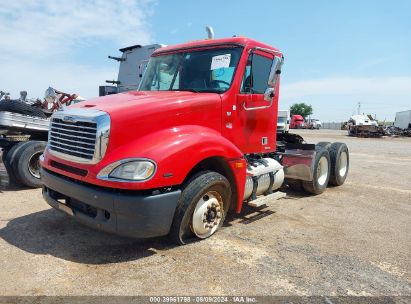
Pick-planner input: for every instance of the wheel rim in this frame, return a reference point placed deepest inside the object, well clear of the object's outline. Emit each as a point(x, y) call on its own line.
point(322, 171)
point(343, 164)
point(34, 164)
point(208, 214)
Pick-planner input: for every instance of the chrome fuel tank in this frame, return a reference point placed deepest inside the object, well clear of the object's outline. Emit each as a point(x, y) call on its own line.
point(263, 176)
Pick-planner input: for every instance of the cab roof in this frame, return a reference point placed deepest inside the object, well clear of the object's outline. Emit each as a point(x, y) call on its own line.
point(240, 41)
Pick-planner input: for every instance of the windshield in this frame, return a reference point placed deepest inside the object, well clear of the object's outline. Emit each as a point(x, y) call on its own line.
point(282, 119)
point(210, 70)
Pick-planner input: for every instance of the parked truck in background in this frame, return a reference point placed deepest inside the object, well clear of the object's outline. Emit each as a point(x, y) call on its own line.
point(283, 121)
point(133, 62)
point(363, 126)
point(313, 123)
point(297, 122)
point(403, 120)
point(24, 125)
point(194, 142)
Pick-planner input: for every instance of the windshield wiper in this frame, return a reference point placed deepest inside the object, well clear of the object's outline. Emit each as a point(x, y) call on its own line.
point(189, 90)
point(212, 91)
point(199, 91)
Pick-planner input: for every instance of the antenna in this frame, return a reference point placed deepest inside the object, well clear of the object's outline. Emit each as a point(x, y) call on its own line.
point(359, 108)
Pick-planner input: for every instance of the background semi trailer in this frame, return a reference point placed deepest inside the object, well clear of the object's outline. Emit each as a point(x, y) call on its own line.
point(195, 142)
point(403, 120)
point(24, 126)
point(133, 62)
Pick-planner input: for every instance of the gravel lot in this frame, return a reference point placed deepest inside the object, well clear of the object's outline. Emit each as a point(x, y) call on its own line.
point(351, 240)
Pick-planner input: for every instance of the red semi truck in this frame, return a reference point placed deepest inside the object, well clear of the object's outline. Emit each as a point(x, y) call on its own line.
point(196, 141)
point(297, 122)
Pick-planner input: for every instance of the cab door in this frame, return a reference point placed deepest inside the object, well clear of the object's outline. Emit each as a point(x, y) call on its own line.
point(256, 125)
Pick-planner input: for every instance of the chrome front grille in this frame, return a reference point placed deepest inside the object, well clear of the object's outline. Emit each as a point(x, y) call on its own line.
point(73, 138)
point(79, 135)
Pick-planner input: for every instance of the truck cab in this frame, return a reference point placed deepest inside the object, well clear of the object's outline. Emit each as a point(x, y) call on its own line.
point(195, 142)
point(297, 122)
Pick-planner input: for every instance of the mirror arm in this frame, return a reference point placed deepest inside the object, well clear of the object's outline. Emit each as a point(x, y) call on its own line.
point(257, 108)
point(268, 96)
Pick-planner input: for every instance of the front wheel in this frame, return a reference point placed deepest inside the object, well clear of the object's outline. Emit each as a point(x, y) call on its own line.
point(202, 207)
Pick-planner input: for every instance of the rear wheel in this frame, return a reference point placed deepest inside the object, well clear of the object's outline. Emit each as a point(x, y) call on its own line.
point(202, 208)
point(323, 144)
point(20, 107)
point(321, 174)
point(340, 162)
point(9, 160)
point(26, 164)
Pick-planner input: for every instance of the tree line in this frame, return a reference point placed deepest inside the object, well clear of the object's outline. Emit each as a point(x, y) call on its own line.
point(301, 109)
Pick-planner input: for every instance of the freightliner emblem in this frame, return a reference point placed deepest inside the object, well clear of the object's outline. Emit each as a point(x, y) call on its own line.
point(68, 119)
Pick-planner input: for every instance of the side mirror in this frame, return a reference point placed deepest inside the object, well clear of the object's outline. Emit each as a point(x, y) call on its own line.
point(273, 78)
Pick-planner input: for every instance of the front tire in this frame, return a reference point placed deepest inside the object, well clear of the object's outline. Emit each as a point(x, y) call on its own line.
point(202, 208)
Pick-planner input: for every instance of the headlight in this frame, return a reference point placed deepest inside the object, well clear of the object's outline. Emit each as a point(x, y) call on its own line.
point(129, 170)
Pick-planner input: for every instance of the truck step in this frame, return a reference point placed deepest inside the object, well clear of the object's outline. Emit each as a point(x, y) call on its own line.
point(267, 199)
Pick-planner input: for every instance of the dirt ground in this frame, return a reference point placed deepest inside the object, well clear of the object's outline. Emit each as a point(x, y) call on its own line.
point(351, 240)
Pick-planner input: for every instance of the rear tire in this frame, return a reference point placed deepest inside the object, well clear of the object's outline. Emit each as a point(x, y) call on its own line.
point(323, 144)
point(10, 159)
point(21, 108)
point(202, 208)
point(321, 174)
point(340, 163)
point(26, 164)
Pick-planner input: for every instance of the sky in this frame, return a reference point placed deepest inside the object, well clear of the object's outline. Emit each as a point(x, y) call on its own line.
point(337, 53)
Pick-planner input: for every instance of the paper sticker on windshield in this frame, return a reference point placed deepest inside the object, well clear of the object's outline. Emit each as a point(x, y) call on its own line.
point(220, 61)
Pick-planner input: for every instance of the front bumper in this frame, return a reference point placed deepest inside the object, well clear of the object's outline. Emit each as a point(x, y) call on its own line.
point(122, 213)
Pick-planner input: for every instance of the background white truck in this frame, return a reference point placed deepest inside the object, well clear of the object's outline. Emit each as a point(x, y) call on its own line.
point(283, 121)
point(313, 123)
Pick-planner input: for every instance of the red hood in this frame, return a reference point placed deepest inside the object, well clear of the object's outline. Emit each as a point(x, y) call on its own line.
point(137, 113)
point(143, 101)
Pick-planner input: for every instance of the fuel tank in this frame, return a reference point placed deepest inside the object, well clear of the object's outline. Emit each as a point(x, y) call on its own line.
point(264, 176)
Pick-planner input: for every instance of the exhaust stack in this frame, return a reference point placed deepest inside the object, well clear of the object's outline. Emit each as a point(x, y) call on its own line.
point(210, 32)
